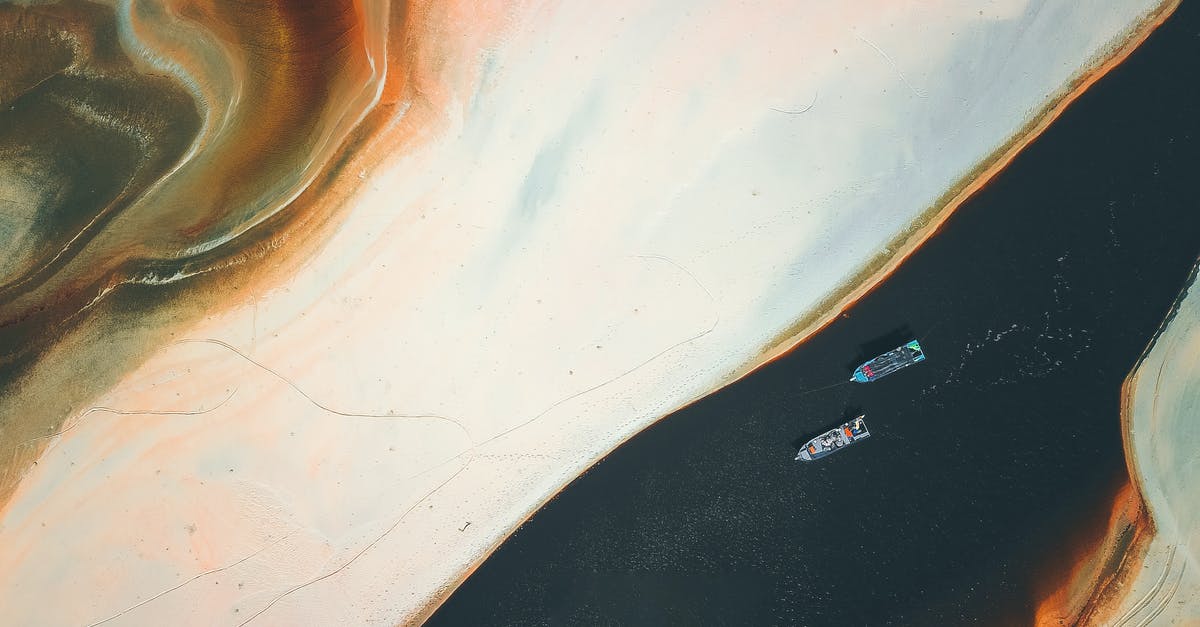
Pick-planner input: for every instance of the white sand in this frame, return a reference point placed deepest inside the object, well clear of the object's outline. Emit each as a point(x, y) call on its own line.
point(1164, 436)
point(618, 220)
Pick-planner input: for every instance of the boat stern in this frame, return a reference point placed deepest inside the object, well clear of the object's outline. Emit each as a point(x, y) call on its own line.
point(918, 353)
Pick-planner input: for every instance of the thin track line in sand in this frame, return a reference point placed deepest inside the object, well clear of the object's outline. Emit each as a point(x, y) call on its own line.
point(472, 450)
point(194, 578)
point(710, 329)
point(357, 555)
point(318, 404)
point(798, 111)
point(131, 412)
point(1132, 612)
point(323, 406)
point(1166, 598)
point(891, 62)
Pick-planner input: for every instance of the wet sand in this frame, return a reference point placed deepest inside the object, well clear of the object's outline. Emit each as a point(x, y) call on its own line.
point(347, 441)
point(1157, 580)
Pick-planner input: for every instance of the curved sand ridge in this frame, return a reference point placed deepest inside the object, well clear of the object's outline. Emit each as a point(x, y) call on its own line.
point(626, 203)
point(278, 86)
point(1146, 571)
point(1162, 440)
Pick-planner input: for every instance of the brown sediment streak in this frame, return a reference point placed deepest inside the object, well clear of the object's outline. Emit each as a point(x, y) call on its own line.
point(81, 134)
point(298, 76)
point(280, 87)
point(1128, 513)
point(298, 61)
point(304, 73)
point(297, 92)
point(426, 73)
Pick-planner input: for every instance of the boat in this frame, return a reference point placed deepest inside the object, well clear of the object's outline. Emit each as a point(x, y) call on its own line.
point(889, 362)
point(834, 440)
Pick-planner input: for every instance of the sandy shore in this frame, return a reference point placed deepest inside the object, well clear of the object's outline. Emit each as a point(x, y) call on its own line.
point(633, 202)
point(1161, 584)
point(1143, 569)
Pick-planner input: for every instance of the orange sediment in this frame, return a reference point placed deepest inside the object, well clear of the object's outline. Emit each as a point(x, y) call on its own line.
point(1091, 589)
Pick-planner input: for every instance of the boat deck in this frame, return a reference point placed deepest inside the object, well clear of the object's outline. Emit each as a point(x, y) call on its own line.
point(834, 440)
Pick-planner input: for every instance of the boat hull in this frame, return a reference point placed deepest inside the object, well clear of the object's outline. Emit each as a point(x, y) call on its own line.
point(896, 359)
point(834, 440)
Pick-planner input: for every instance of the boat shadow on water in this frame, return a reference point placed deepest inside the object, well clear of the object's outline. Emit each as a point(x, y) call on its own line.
point(898, 336)
point(848, 414)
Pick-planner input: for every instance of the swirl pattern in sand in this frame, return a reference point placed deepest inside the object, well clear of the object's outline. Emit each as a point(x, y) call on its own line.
point(156, 134)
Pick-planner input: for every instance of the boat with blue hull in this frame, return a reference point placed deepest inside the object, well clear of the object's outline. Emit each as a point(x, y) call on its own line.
point(834, 440)
point(889, 362)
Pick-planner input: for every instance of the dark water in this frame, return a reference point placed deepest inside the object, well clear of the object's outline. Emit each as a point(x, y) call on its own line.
point(986, 461)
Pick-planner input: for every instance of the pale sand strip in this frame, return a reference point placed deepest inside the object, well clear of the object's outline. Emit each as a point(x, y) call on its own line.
point(618, 221)
point(1162, 444)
